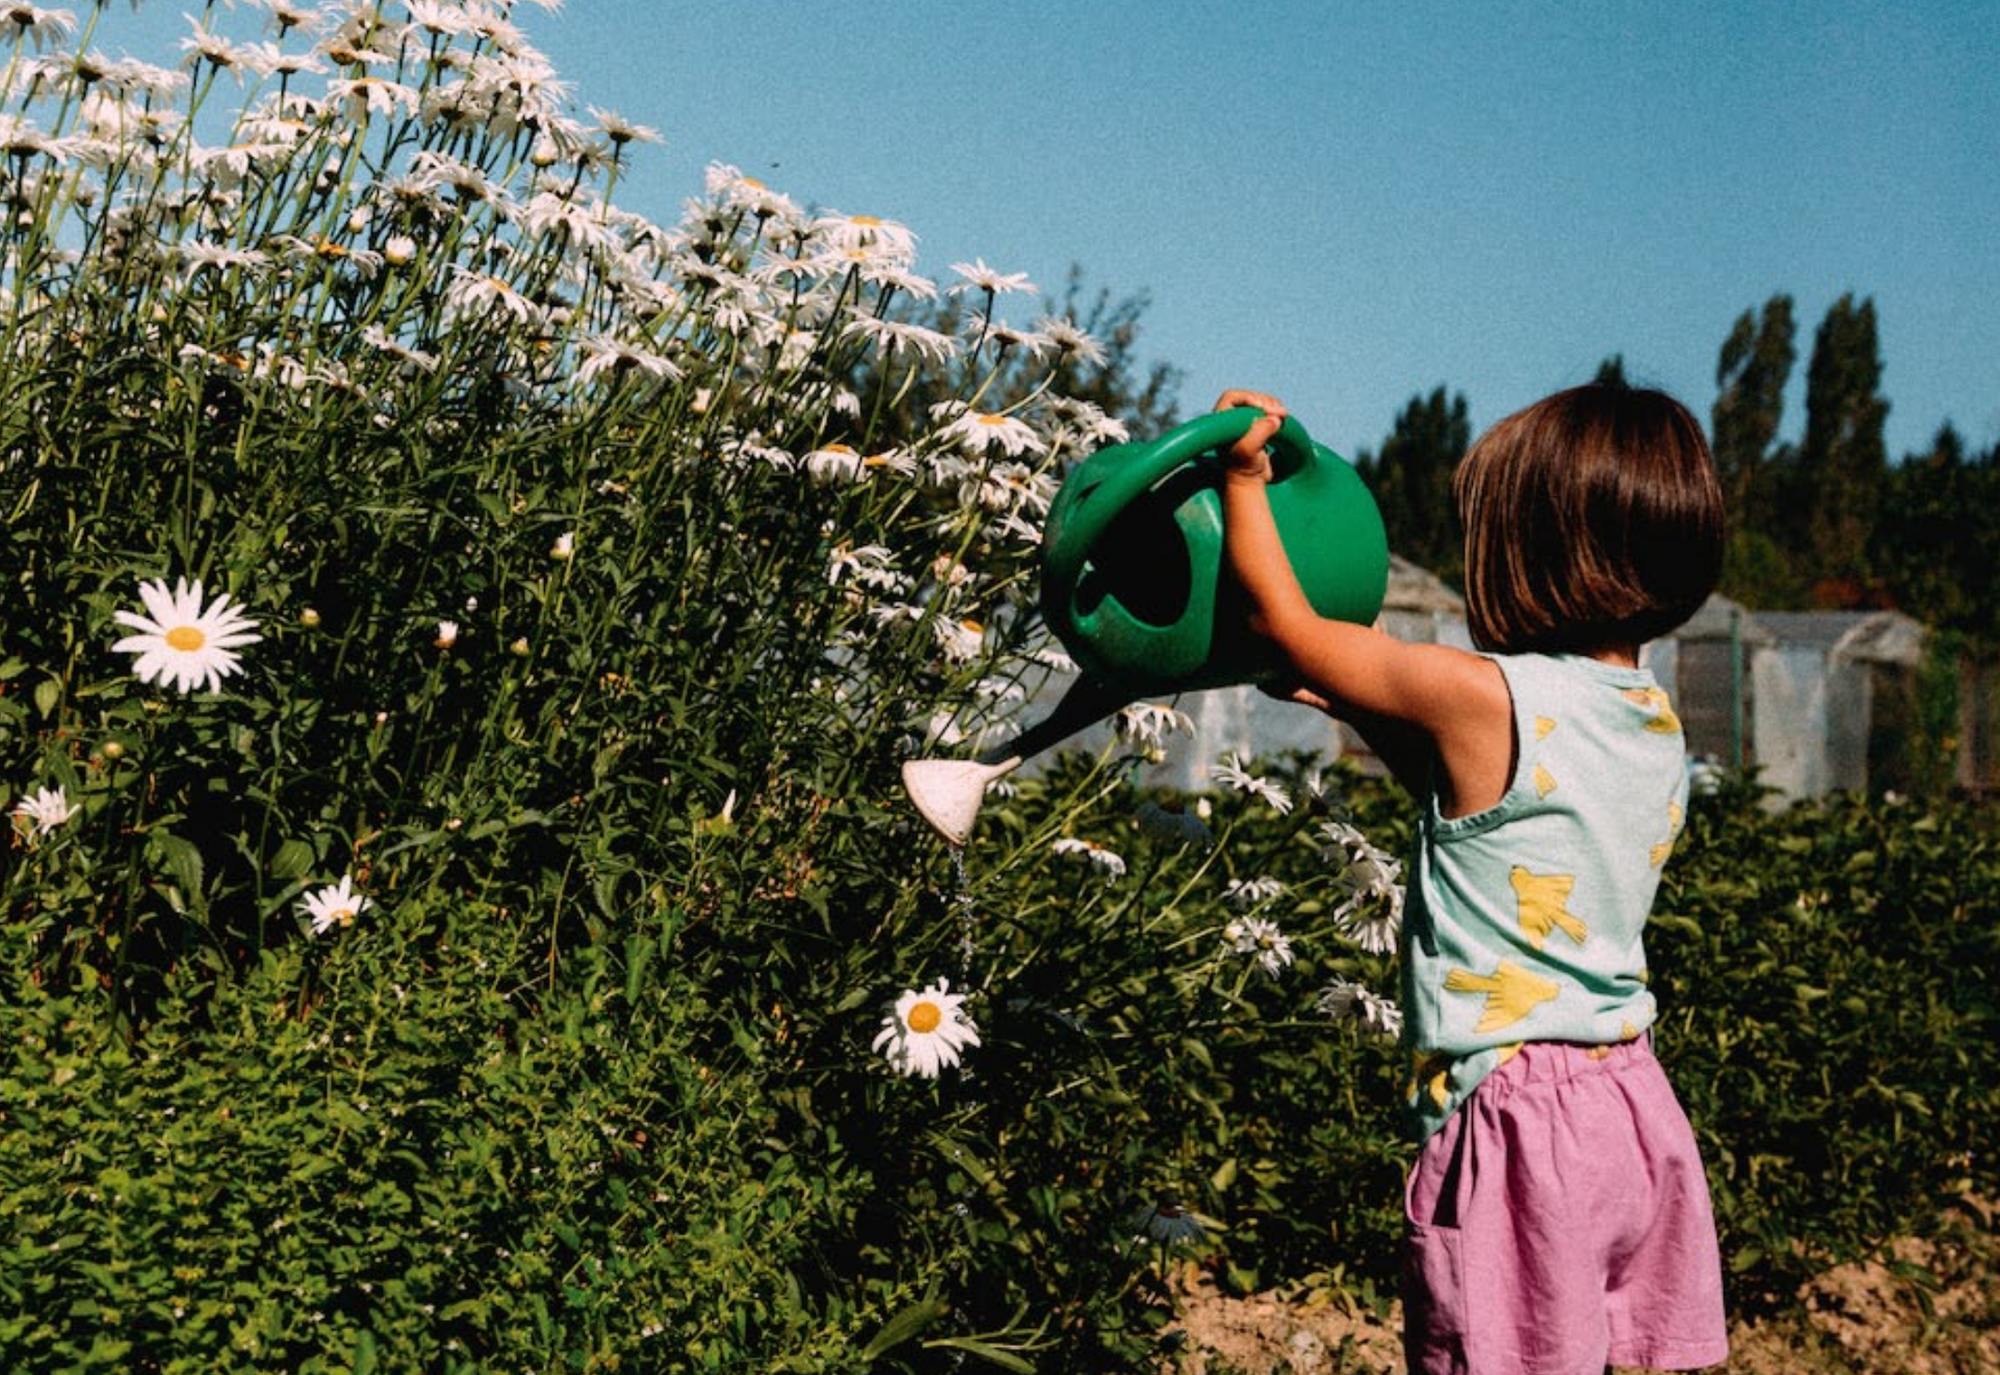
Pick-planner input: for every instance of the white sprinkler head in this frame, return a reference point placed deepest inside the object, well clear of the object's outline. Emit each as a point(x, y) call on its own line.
point(947, 792)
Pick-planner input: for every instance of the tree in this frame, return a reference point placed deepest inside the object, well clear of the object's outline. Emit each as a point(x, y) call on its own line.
point(1842, 462)
point(1750, 377)
point(1934, 538)
point(1411, 480)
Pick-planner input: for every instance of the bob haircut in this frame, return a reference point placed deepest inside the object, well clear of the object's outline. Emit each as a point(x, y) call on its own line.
point(1592, 519)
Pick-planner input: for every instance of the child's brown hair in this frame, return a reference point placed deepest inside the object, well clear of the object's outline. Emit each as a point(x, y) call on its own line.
point(1592, 518)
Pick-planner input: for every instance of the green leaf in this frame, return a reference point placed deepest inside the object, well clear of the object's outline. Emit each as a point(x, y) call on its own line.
point(292, 860)
point(985, 1351)
point(906, 1324)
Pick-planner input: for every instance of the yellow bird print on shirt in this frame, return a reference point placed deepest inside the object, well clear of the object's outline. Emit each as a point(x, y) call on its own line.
point(1544, 905)
point(1663, 721)
point(1430, 1077)
point(1660, 851)
point(1511, 993)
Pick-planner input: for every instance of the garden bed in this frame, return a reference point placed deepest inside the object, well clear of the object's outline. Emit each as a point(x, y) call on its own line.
point(1929, 1306)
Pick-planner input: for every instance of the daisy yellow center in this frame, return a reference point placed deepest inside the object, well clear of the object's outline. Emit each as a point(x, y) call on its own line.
point(343, 915)
point(866, 221)
point(925, 1018)
point(186, 638)
point(992, 419)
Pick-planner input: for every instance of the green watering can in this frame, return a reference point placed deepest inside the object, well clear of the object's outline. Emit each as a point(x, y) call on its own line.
point(1136, 586)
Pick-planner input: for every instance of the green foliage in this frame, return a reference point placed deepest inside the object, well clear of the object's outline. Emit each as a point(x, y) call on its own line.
point(383, 1153)
point(1827, 975)
point(1411, 480)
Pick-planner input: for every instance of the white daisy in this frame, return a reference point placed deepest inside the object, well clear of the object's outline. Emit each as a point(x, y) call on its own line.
point(982, 430)
point(183, 641)
point(621, 130)
point(43, 810)
point(447, 634)
point(1071, 340)
point(1344, 998)
point(1372, 915)
point(1108, 862)
point(1232, 774)
point(891, 337)
point(979, 277)
point(924, 1031)
point(864, 236)
point(836, 462)
point(1259, 939)
point(336, 904)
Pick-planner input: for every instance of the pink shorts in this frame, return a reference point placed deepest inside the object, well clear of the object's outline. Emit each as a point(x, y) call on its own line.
point(1559, 1222)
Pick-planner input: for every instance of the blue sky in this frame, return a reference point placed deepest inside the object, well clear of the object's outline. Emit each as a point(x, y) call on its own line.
point(1350, 203)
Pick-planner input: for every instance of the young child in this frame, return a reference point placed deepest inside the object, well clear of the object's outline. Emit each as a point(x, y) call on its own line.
point(1558, 1219)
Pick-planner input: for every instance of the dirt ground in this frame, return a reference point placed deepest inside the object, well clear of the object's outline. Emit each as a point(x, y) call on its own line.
point(1931, 1306)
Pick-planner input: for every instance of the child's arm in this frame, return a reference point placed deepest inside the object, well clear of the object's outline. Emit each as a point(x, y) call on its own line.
point(1456, 700)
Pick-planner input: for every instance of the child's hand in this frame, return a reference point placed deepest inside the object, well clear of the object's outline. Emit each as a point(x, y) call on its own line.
point(1246, 456)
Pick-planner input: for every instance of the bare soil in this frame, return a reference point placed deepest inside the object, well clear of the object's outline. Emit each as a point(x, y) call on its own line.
point(1929, 1306)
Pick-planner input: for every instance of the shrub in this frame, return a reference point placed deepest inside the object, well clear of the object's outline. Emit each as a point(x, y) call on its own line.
point(461, 640)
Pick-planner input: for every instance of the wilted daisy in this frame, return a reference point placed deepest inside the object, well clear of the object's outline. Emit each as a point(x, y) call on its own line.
point(183, 641)
point(924, 1031)
point(336, 904)
point(1168, 1223)
point(1259, 939)
point(1105, 861)
point(43, 810)
point(1231, 773)
point(1148, 724)
point(447, 634)
point(41, 27)
point(961, 641)
point(1344, 998)
point(1248, 892)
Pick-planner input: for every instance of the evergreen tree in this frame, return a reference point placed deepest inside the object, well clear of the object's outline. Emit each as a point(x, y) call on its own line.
point(1843, 460)
point(1411, 480)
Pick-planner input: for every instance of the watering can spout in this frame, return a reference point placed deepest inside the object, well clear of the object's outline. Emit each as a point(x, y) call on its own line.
point(947, 792)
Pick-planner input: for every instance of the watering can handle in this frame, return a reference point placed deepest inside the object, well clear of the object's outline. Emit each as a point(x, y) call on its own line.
point(1125, 483)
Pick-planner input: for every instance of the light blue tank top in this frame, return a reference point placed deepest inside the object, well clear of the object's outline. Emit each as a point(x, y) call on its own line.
point(1525, 922)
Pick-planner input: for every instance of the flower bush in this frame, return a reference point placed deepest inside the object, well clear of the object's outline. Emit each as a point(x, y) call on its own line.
point(460, 642)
